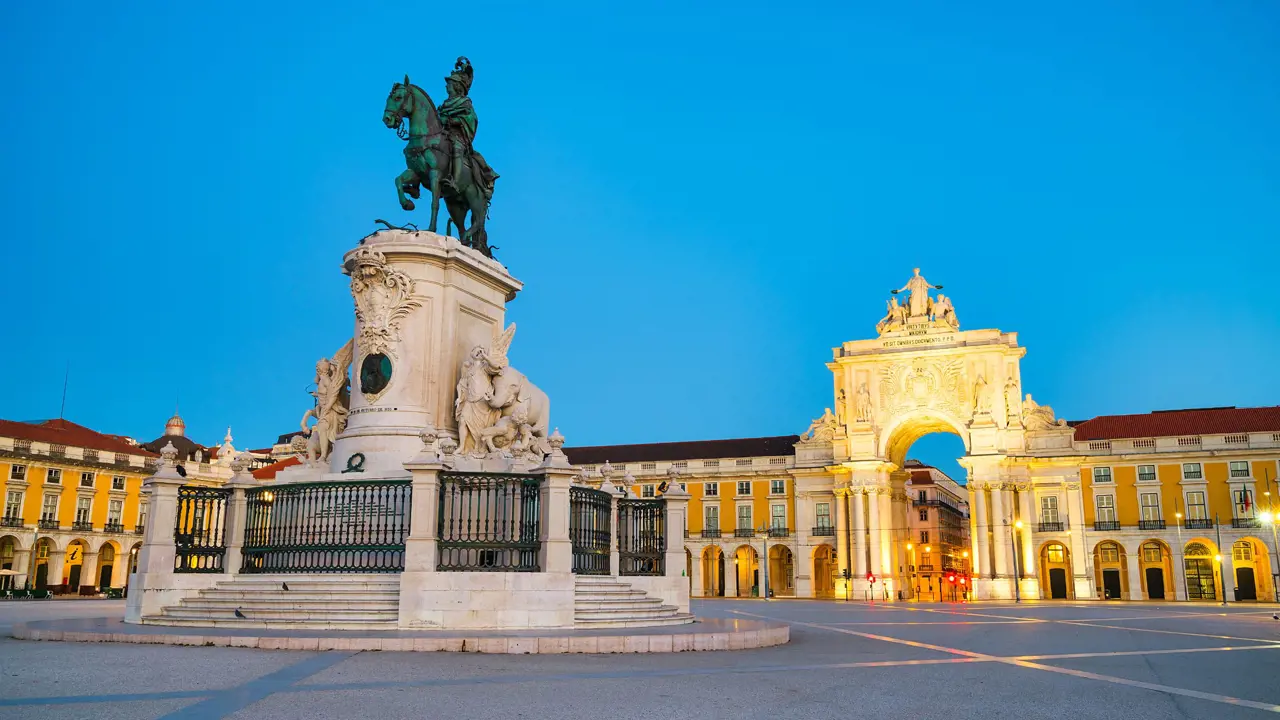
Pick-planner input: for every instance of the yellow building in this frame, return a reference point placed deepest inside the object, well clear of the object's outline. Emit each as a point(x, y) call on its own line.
point(74, 515)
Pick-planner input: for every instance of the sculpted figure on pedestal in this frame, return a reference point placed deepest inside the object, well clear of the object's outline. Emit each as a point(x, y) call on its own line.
point(1039, 417)
point(945, 312)
point(862, 405)
point(918, 287)
point(824, 428)
point(496, 406)
point(1012, 404)
point(333, 398)
point(981, 397)
point(842, 406)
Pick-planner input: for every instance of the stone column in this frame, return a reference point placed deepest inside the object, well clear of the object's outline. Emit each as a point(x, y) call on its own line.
point(1179, 574)
point(873, 522)
point(731, 574)
point(1010, 511)
point(120, 569)
point(1135, 575)
point(1029, 518)
point(859, 525)
point(88, 571)
point(20, 562)
point(677, 521)
point(982, 550)
point(844, 554)
point(888, 551)
point(56, 558)
point(999, 532)
point(1228, 574)
point(557, 546)
point(155, 584)
point(614, 493)
point(1081, 559)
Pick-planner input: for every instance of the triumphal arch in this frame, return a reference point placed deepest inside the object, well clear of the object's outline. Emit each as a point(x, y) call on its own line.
point(923, 374)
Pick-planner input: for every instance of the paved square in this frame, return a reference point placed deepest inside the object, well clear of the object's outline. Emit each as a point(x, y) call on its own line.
point(1035, 660)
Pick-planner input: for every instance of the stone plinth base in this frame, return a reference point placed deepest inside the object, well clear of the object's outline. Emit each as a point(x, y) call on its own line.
point(709, 634)
point(150, 593)
point(673, 591)
point(479, 600)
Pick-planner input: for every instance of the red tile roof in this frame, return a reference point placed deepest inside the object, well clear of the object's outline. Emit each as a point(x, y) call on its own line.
point(1168, 423)
point(692, 450)
point(268, 472)
point(65, 432)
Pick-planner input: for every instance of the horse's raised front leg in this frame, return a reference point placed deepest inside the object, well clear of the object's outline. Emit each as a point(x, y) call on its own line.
point(433, 180)
point(403, 179)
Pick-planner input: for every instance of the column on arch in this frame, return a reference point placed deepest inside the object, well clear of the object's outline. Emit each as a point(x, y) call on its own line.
point(859, 533)
point(1081, 557)
point(1133, 561)
point(1028, 514)
point(1011, 530)
point(842, 531)
point(981, 549)
point(873, 531)
point(999, 532)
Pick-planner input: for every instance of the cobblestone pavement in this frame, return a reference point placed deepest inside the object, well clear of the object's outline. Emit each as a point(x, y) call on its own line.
point(1034, 660)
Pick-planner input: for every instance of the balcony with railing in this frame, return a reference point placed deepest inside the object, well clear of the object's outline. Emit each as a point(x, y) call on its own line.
point(48, 522)
point(11, 521)
point(1245, 522)
point(1106, 525)
point(824, 531)
point(139, 529)
point(744, 533)
point(1197, 524)
point(1051, 526)
point(779, 532)
point(113, 527)
point(82, 525)
point(711, 533)
point(1150, 524)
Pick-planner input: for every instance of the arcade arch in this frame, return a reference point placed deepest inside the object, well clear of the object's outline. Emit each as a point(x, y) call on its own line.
point(1156, 566)
point(824, 571)
point(747, 570)
point(1056, 570)
point(1251, 564)
point(712, 571)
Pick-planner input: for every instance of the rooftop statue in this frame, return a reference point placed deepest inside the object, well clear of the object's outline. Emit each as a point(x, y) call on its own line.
point(439, 153)
point(919, 308)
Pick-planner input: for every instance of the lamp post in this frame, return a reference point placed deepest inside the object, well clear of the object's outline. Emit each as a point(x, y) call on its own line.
point(1269, 517)
point(1222, 578)
point(1017, 567)
point(764, 562)
point(911, 563)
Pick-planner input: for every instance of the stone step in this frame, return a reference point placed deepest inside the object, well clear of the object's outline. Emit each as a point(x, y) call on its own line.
point(335, 596)
point(275, 624)
point(642, 603)
point(598, 580)
point(661, 611)
point(607, 595)
point(678, 619)
point(310, 586)
point(279, 616)
point(295, 602)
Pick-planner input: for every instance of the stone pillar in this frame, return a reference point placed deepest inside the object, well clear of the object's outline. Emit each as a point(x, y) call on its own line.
point(56, 558)
point(155, 584)
point(1010, 511)
point(237, 513)
point(557, 546)
point(614, 493)
point(731, 574)
point(859, 525)
point(1081, 558)
point(120, 569)
point(981, 552)
point(20, 562)
point(88, 571)
point(1029, 517)
point(1228, 574)
point(888, 553)
point(1179, 574)
point(999, 533)
point(695, 578)
point(677, 521)
point(1135, 575)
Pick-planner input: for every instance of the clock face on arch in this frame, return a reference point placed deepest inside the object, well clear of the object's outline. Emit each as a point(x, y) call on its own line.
point(375, 373)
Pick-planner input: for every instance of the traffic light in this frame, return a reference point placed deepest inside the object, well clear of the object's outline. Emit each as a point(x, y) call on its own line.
point(871, 578)
point(846, 573)
point(962, 579)
point(951, 578)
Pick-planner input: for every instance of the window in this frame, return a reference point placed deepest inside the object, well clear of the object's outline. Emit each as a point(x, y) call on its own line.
point(1239, 469)
point(744, 517)
point(13, 504)
point(1244, 503)
point(777, 516)
point(1049, 509)
point(86, 479)
point(84, 506)
point(744, 487)
point(1242, 551)
point(822, 513)
point(710, 463)
point(1152, 552)
point(1191, 471)
point(117, 482)
point(1150, 503)
point(18, 472)
point(1102, 475)
point(924, 536)
point(1056, 553)
point(142, 514)
point(924, 514)
point(53, 476)
point(115, 510)
point(778, 487)
point(1196, 509)
point(1146, 473)
point(1106, 508)
point(712, 515)
point(923, 496)
point(646, 491)
point(743, 462)
point(1109, 553)
point(49, 511)
point(711, 489)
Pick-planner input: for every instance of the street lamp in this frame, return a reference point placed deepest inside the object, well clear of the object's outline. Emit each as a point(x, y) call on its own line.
point(764, 535)
point(911, 563)
point(1017, 568)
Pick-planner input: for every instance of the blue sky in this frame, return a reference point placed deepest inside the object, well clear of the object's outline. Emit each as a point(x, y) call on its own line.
point(702, 202)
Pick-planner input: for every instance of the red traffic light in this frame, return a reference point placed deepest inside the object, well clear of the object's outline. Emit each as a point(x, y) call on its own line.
point(951, 578)
point(871, 578)
point(961, 581)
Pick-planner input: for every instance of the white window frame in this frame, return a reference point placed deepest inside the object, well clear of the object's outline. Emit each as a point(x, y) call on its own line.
point(53, 476)
point(776, 519)
point(89, 475)
point(818, 515)
point(1149, 503)
point(143, 509)
point(1192, 471)
point(117, 482)
point(13, 503)
point(647, 491)
point(1238, 496)
point(738, 517)
point(1203, 505)
point(1109, 507)
point(18, 472)
point(738, 488)
point(44, 506)
point(115, 512)
point(1154, 475)
point(1246, 471)
point(84, 509)
point(777, 487)
point(711, 489)
point(924, 514)
point(711, 517)
point(1049, 509)
point(1103, 476)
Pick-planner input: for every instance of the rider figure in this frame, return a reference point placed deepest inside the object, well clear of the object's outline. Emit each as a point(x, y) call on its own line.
point(459, 118)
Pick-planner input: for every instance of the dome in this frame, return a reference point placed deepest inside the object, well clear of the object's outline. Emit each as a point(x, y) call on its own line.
point(175, 426)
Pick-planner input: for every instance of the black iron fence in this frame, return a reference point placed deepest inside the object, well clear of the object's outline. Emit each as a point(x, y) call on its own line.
point(327, 527)
point(642, 537)
point(490, 522)
point(199, 533)
point(589, 521)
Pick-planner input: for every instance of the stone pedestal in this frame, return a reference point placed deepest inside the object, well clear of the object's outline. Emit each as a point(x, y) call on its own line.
point(423, 301)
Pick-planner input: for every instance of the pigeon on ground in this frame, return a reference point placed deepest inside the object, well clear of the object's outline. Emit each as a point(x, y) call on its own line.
point(239, 614)
point(285, 586)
